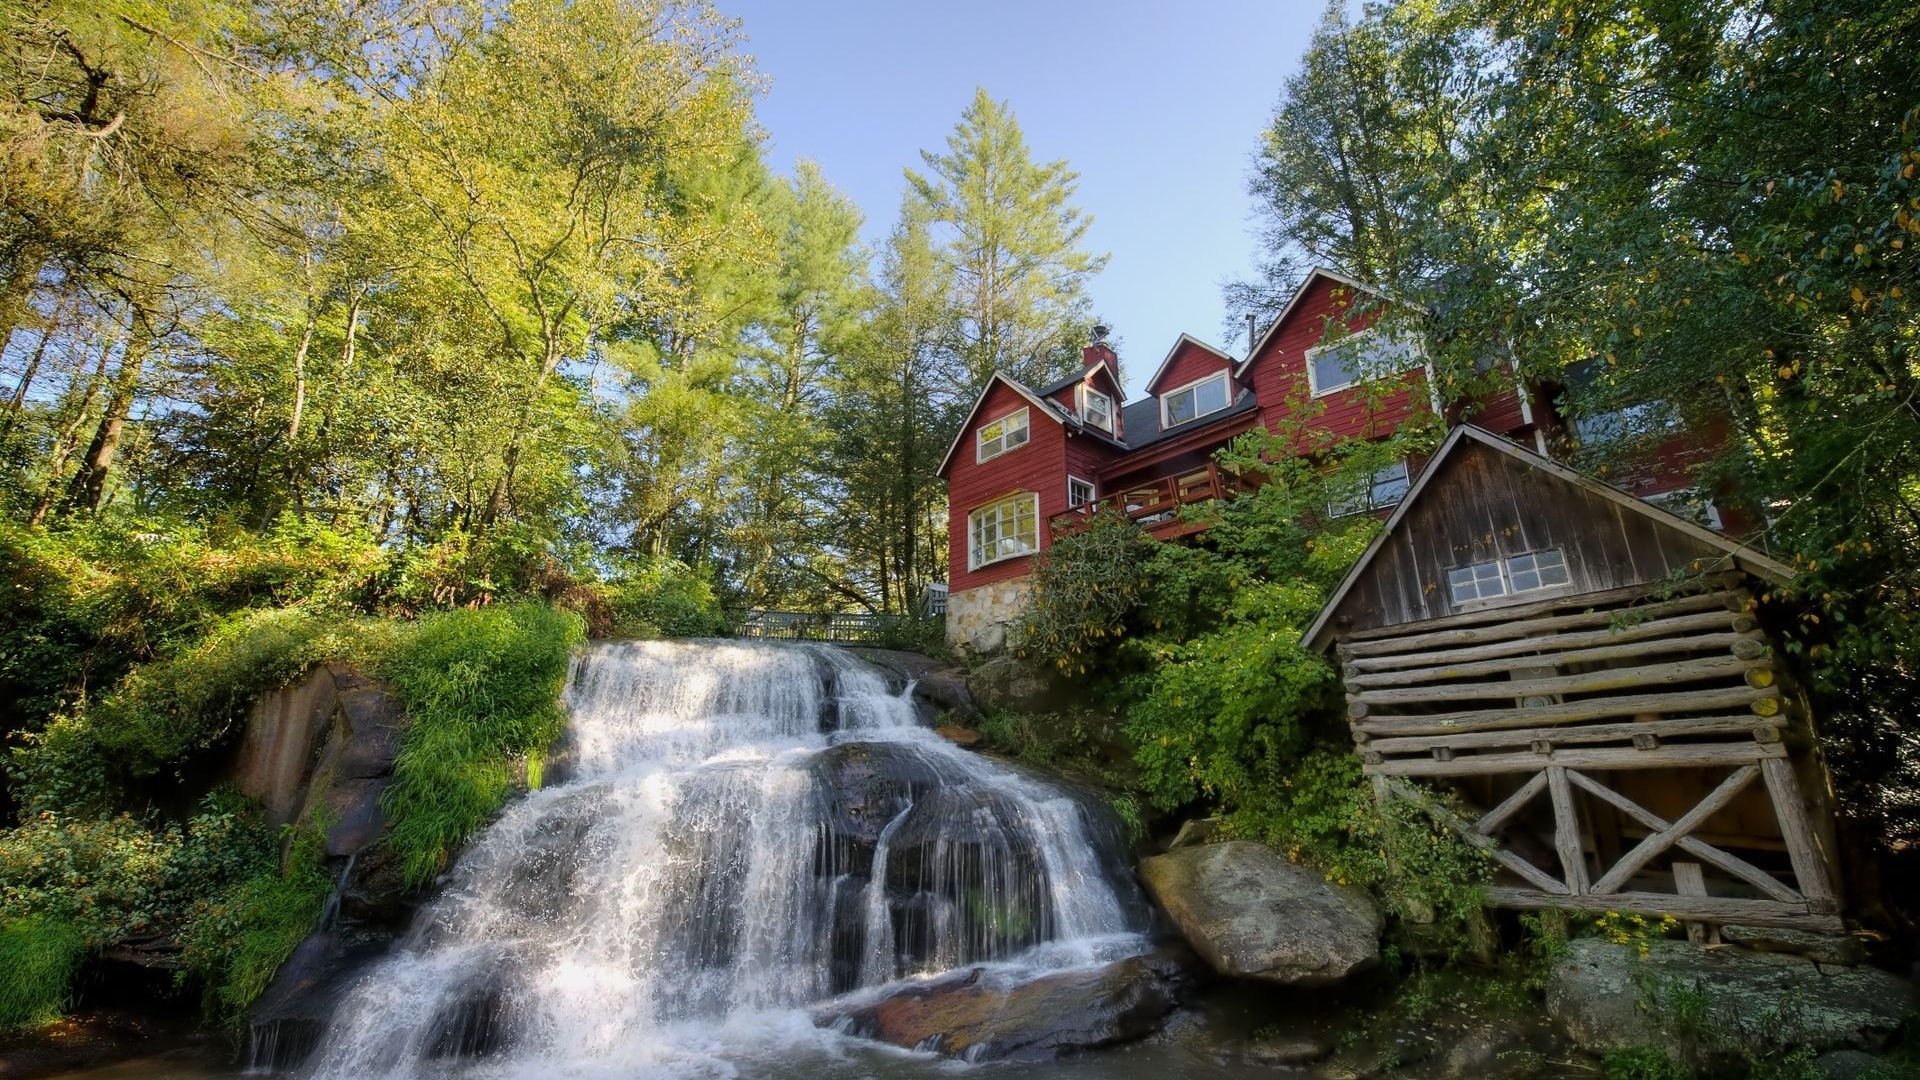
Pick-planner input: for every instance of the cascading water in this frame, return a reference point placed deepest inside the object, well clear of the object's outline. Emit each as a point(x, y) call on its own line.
point(744, 830)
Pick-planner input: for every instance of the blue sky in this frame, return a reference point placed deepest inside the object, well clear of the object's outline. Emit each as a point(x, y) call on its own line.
point(1158, 106)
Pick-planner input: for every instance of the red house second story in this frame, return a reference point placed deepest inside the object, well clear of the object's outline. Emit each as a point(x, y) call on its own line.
point(1031, 465)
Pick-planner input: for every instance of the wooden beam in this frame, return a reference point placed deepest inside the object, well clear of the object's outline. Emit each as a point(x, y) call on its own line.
point(1491, 821)
point(1566, 830)
point(1715, 620)
point(1603, 609)
point(1487, 844)
point(1673, 701)
point(1700, 669)
point(1689, 881)
point(1644, 852)
point(1714, 909)
point(1676, 756)
point(1632, 650)
point(1809, 868)
point(1581, 602)
point(1692, 845)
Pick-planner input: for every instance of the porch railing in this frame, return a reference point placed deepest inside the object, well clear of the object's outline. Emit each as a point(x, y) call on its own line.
point(1155, 505)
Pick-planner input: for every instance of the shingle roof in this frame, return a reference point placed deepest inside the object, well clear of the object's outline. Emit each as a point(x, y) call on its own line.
point(1141, 420)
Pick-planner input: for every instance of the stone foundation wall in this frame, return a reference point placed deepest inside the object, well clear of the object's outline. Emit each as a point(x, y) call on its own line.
point(977, 618)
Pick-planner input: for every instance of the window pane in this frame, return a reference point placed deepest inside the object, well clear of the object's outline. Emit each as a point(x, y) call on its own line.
point(1210, 396)
point(1390, 484)
point(1180, 407)
point(1331, 369)
point(1524, 580)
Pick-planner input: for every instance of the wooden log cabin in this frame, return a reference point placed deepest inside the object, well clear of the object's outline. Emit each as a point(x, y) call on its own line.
point(1586, 687)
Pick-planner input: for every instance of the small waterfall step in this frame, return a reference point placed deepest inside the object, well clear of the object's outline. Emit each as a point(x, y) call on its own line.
point(744, 832)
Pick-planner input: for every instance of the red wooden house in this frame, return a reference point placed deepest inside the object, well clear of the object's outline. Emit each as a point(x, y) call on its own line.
point(1031, 464)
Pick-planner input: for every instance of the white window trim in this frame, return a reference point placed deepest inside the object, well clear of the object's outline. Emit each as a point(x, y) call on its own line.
point(1416, 358)
point(980, 454)
point(1091, 486)
point(1513, 595)
point(1086, 393)
point(1165, 422)
point(973, 561)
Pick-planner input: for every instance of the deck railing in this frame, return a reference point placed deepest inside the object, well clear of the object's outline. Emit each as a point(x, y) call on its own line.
point(1155, 505)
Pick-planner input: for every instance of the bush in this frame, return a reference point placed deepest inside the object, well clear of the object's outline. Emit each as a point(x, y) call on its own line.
point(481, 688)
point(664, 598)
point(38, 958)
point(236, 942)
point(165, 713)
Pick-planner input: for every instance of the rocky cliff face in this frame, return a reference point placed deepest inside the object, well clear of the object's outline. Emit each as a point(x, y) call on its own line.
point(321, 752)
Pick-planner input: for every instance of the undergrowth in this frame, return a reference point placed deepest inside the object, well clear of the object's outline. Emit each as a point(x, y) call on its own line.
point(38, 958)
point(480, 689)
point(236, 941)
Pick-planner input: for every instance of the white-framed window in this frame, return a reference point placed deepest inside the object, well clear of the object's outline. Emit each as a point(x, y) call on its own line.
point(1628, 421)
point(1079, 492)
point(1096, 408)
point(1476, 582)
point(1194, 400)
point(1689, 503)
point(1537, 570)
point(1543, 569)
point(1003, 529)
point(1007, 433)
point(1369, 354)
point(1385, 487)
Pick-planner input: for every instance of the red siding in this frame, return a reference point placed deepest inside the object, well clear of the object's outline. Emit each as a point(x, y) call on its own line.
point(1278, 373)
point(1040, 465)
point(1190, 363)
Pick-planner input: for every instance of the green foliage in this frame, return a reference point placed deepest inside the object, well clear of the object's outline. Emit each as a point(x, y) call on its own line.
point(1085, 588)
point(1643, 1063)
point(38, 958)
point(664, 598)
point(236, 941)
point(164, 714)
point(481, 689)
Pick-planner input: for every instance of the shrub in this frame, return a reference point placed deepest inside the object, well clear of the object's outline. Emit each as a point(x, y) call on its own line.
point(236, 941)
point(1086, 587)
point(481, 688)
point(664, 598)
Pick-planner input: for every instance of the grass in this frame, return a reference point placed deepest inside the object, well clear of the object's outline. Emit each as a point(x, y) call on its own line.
point(481, 689)
point(236, 943)
point(38, 958)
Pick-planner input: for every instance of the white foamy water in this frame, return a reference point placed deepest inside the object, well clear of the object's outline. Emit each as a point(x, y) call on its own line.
point(743, 831)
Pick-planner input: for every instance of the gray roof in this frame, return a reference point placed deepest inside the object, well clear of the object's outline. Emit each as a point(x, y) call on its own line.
point(1141, 420)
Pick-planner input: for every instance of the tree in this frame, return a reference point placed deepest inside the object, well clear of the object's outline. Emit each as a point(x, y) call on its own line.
point(1009, 241)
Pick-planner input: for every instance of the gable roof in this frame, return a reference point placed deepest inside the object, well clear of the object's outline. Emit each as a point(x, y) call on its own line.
point(1745, 558)
point(1058, 385)
point(1048, 409)
point(1179, 343)
point(1298, 295)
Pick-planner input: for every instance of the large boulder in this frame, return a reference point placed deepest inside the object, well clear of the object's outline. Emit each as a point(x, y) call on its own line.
point(1700, 1003)
point(1252, 914)
point(1006, 683)
point(939, 691)
point(981, 1015)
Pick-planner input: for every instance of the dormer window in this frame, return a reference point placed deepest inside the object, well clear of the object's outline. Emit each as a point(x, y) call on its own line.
point(1007, 433)
point(1369, 354)
point(1194, 400)
point(1096, 408)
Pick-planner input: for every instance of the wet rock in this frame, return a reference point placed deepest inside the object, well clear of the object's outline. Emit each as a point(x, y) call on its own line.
point(962, 737)
point(1820, 948)
point(1250, 913)
point(1701, 1004)
point(1849, 1065)
point(938, 690)
point(1287, 1048)
point(1509, 1051)
point(1010, 684)
point(977, 1015)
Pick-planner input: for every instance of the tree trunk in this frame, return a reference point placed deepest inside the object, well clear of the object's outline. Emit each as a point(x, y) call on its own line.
point(90, 483)
point(17, 290)
point(27, 376)
point(70, 434)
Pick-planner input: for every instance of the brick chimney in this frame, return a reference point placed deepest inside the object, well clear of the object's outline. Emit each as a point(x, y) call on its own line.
point(1098, 350)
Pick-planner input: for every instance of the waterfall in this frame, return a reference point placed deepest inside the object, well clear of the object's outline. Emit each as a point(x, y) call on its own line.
point(740, 831)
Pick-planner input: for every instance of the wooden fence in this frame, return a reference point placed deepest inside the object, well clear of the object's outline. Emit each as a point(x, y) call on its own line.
point(817, 626)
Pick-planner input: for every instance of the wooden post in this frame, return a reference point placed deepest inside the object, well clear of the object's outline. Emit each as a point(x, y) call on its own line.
point(1809, 867)
point(1566, 830)
point(1688, 880)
